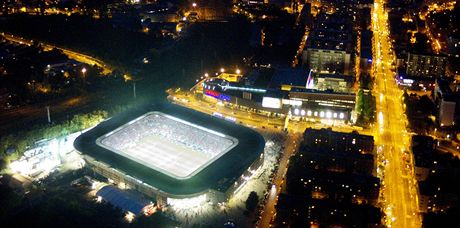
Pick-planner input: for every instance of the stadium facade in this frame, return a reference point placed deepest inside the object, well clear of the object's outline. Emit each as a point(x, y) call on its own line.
point(170, 153)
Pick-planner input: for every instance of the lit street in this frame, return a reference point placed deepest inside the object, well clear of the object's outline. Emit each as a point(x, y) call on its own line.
point(257, 120)
point(400, 194)
point(291, 146)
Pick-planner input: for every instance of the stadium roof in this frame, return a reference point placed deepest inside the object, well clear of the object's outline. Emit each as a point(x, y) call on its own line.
point(219, 175)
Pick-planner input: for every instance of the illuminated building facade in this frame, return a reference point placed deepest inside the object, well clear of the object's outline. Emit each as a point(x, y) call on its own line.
point(426, 65)
point(296, 92)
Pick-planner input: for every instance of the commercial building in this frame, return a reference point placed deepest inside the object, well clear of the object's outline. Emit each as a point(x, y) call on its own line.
point(287, 91)
point(164, 151)
point(334, 82)
point(323, 104)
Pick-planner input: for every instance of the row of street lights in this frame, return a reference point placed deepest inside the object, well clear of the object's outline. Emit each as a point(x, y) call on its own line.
point(222, 70)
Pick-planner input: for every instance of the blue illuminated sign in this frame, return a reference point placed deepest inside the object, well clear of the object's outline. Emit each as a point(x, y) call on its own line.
point(217, 95)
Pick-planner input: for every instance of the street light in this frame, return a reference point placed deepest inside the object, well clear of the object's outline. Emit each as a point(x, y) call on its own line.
point(238, 71)
point(83, 70)
point(222, 70)
point(194, 5)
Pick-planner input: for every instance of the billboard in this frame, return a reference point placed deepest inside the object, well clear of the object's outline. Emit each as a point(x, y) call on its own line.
point(271, 102)
point(217, 95)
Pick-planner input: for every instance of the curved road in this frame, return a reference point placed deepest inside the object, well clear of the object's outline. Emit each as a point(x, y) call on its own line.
point(71, 54)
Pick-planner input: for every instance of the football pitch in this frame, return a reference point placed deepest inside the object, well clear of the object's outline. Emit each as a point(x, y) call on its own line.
point(153, 150)
point(174, 159)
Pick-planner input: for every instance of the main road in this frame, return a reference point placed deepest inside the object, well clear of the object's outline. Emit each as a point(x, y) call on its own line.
point(400, 200)
point(269, 212)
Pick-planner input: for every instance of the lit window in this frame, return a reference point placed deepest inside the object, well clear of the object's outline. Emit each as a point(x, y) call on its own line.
point(341, 115)
point(321, 114)
point(309, 113)
point(302, 112)
point(296, 111)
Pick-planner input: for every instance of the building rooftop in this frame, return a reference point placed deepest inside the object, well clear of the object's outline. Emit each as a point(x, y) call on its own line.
point(127, 201)
point(346, 78)
point(289, 76)
point(331, 32)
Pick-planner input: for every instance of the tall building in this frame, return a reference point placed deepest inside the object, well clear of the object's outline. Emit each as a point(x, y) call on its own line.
point(366, 51)
point(446, 103)
point(426, 65)
point(329, 46)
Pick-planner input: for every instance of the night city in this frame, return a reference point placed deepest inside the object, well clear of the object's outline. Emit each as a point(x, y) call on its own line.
point(230, 113)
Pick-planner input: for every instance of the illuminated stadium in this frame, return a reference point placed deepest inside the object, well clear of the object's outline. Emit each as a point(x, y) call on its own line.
point(170, 152)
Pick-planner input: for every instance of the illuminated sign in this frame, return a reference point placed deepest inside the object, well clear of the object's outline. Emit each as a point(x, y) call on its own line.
point(310, 81)
point(408, 81)
point(217, 95)
point(292, 102)
point(270, 102)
